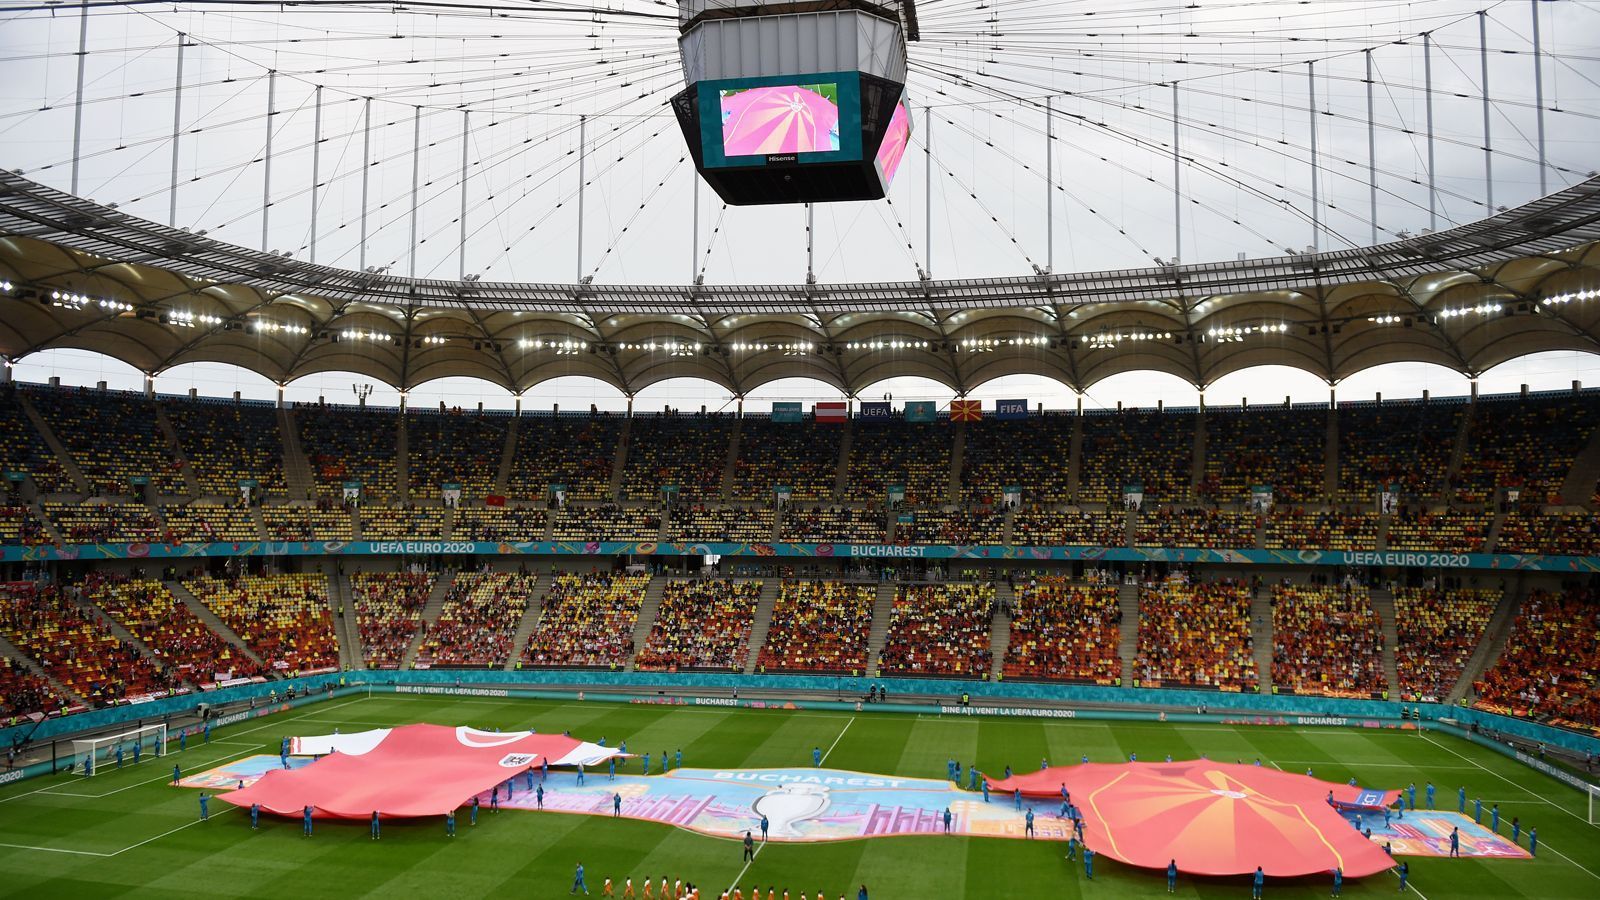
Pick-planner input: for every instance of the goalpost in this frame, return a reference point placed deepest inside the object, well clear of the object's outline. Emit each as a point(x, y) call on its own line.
point(90, 754)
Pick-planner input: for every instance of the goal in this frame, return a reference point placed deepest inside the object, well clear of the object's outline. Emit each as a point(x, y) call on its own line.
point(90, 754)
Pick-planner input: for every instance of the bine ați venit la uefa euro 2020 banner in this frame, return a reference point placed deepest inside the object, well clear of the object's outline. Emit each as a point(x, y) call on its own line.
point(999, 553)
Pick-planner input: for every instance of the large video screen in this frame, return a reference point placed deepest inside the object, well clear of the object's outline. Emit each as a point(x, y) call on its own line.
point(893, 148)
point(783, 120)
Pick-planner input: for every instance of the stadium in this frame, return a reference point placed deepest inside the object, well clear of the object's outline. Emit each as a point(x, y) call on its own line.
point(602, 447)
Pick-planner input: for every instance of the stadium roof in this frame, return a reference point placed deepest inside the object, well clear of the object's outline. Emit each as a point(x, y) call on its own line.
point(89, 277)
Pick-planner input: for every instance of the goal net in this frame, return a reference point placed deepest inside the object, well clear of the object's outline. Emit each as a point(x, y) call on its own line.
point(90, 755)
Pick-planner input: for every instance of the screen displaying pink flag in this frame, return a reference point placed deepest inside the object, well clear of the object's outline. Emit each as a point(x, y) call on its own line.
point(413, 770)
point(788, 118)
point(893, 148)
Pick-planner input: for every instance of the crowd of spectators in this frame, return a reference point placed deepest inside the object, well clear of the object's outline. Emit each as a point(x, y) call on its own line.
point(1562, 534)
point(578, 452)
point(401, 523)
point(829, 524)
point(819, 627)
point(588, 620)
point(1196, 635)
point(113, 437)
point(73, 646)
point(939, 629)
point(1450, 530)
point(325, 520)
point(454, 447)
point(802, 456)
point(1040, 527)
point(690, 452)
point(182, 643)
point(608, 522)
point(1297, 528)
point(388, 607)
point(95, 523)
point(283, 618)
point(1528, 443)
point(914, 455)
point(1277, 446)
point(1152, 449)
point(23, 449)
point(23, 693)
point(1064, 631)
point(702, 624)
point(227, 442)
point(1194, 527)
point(18, 525)
point(1437, 629)
point(1551, 662)
point(703, 522)
point(1327, 639)
point(345, 443)
point(1033, 454)
point(1405, 444)
point(478, 622)
point(500, 523)
point(969, 525)
point(204, 522)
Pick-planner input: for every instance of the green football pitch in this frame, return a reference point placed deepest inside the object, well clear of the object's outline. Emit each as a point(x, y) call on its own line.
point(129, 833)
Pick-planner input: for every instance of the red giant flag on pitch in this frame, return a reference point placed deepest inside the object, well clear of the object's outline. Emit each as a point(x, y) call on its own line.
point(413, 770)
point(1212, 818)
point(829, 412)
point(966, 410)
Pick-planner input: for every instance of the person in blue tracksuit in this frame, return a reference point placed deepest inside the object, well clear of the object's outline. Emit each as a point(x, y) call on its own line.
point(450, 824)
point(985, 789)
point(1027, 828)
point(1455, 841)
point(677, 759)
point(972, 778)
point(616, 806)
point(646, 759)
point(1411, 795)
point(1172, 877)
point(255, 815)
point(1494, 819)
point(119, 756)
point(764, 826)
point(376, 829)
point(577, 881)
point(1072, 848)
point(183, 741)
point(472, 812)
point(529, 774)
point(138, 750)
point(1405, 872)
point(946, 823)
point(538, 796)
point(1258, 883)
point(207, 732)
point(1338, 881)
point(816, 757)
point(176, 774)
point(1533, 842)
point(580, 773)
point(306, 821)
point(1017, 798)
point(203, 801)
point(611, 766)
point(1430, 795)
point(1461, 799)
point(1477, 810)
point(1088, 863)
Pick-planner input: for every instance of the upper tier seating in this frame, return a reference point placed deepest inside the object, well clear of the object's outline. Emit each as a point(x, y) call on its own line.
point(1047, 527)
point(1550, 667)
point(687, 451)
point(478, 622)
point(1437, 632)
point(748, 525)
point(324, 522)
point(388, 608)
point(1453, 531)
point(500, 523)
point(344, 444)
point(915, 456)
point(1527, 444)
point(802, 456)
point(1295, 528)
point(1196, 635)
point(96, 523)
point(1151, 449)
point(587, 620)
point(829, 524)
point(284, 619)
point(820, 627)
point(1170, 527)
point(938, 526)
point(22, 449)
point(1564, 534)
point(188, 648)
point(402, 523)
point(1326, 640)
point(1033, 454)
point(1064, 631)
point(454, 448)
point(113, 437)
point(18, 525)
point(702, 624)
point(1283, 448)
point(74, 646)
point(1406, 444)
point(227, 442)
point(608, 522)
point(200, 523)
point(939, 630)
point(576, 451)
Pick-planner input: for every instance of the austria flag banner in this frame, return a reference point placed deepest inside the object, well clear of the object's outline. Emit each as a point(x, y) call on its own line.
point(414, 770)
point(830, 412)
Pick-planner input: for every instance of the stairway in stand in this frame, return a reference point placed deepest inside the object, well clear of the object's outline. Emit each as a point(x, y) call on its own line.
point(1495, 635)
point(351, 655)
point(1261, 637)
point(765, 603)
point(530, 618)
point(648, 608)
point(1128, 643)
point(882, 608)
point(1383, 605)
point(430, 614)
point(1005, 597)
point(204, 614)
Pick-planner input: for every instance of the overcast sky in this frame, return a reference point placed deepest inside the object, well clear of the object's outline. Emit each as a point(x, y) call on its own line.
point(1243, 111)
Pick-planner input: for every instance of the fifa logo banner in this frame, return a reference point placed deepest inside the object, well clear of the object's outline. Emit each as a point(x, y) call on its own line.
point(1011, 409)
